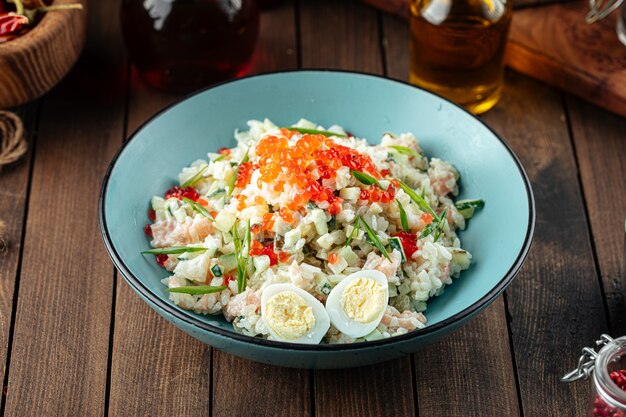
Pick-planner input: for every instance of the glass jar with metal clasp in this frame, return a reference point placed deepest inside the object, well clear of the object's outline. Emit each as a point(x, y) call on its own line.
point(607, 369)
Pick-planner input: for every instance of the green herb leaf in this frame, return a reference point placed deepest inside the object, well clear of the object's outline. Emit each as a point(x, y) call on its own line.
point(197, 207)
point(403, 218)
point(216, 192)
point(197, 289)
point(243, 251)
point(403, 150)
point(436, 227)
point(421, 203)
point(354, 230)
point(375, 240)
point(316, 132)
point(219, 158)
point(233, 178)
point(173, 250)
point(193, 180)
point(440, 224)
point(364, 178)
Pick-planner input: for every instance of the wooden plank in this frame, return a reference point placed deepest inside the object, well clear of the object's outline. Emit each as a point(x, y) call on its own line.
point(244, 388)
point(13, 189)
point(182, 386)
point(600, 140)
point(555, 44)
point(60, 341)
point(388, 390)
point(555, 303)
point(480, 351)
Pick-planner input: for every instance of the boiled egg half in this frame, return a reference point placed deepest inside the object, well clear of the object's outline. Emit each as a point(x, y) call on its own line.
point(293, 315)
point(357, 304)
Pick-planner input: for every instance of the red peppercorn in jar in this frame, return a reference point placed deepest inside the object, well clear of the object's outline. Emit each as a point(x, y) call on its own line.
point(182, 45)
point(608, 370)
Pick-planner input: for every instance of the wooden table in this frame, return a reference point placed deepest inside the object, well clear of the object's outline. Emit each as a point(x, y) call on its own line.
point(75, 340)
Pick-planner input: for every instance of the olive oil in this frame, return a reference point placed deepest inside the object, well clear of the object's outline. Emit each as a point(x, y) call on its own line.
point(457, 49)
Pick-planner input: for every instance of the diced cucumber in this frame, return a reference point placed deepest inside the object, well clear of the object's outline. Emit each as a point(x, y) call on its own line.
point(228, 262)
point(467, 207)
point(216, 193)
point(461, 258)
point(396, 243)
point(374, 335)
point(348, 254)
point(158, 203)
point(216, 271)
point(225, 220)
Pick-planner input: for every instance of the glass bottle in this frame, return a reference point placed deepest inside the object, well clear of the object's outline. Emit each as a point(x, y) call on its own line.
point(182, 45)
point(457, 49)
point(608, 371)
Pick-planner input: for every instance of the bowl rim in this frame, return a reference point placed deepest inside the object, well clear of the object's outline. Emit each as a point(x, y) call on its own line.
point(190, 318)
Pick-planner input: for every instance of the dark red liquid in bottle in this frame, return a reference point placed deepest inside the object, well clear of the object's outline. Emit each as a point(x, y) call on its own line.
point(182, 45)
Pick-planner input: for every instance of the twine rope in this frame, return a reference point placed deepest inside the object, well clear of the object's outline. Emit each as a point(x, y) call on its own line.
point(12, 140)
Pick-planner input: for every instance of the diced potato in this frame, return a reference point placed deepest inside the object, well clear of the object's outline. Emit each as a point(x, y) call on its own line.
point(339, 266)
point(325, 241)
point(261, 263)
point(195, 269)
point(348, 254)
point(350, 193)
point(291, 238)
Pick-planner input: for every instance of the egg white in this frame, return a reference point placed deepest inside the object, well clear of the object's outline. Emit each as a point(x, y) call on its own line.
point(322, 321)
point(338, 316)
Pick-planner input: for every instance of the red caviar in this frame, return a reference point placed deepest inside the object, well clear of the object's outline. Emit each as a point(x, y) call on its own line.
point(147, 230)
point(245, 173)
point(152, 215)
point(283, 257)
point(409, 242)
point(177, 192)
point(257, 249)
point(305, 165)
point(333, 258)
point(161, 259)
point(224, 151)
point(228, 279)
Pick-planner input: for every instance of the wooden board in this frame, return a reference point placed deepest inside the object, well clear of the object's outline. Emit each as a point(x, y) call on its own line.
point(552, 43)
point(555, 45)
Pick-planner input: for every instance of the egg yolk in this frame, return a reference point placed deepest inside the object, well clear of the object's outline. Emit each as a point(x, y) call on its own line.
point(289, 315)
point(363, 299)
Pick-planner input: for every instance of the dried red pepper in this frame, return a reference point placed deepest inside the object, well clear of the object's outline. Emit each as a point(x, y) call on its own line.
point(11, 22)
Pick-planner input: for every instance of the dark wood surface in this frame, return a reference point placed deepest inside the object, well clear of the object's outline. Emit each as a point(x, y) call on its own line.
point(75, 339)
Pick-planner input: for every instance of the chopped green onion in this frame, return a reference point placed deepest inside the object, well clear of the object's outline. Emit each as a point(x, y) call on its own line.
point(242, 260)
point(364, 178)
point(216, 271)
point(233, 178)
point(403, 150)
point(436, 227)
point(197, 289)
point(403, 218)
point(375, 240)
point(396, 243)
point(422, 204)
point(197, 207)
point(193, 180)
point(354, 230)
point(173, 250)
point(316, 132)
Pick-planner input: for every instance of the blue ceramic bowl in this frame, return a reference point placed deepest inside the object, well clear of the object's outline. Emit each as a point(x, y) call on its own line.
point(499, 236)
